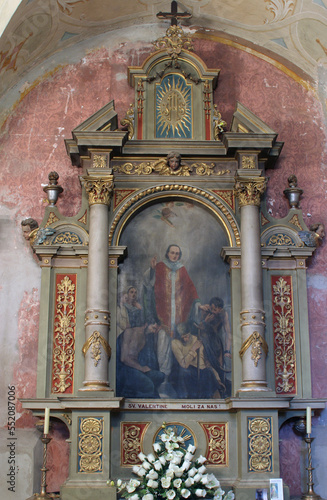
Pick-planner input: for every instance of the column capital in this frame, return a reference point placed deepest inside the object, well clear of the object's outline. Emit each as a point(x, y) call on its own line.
point(248, 190)
point(99, 189)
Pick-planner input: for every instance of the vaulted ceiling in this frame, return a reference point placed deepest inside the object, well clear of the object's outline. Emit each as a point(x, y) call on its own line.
point(38, 35)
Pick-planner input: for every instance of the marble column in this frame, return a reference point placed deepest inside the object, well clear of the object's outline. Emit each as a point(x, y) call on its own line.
point(97, 317)
point(254, 348)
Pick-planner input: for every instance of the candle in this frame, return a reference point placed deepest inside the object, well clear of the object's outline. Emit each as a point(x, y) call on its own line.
point(308, 420)
point(46, 421)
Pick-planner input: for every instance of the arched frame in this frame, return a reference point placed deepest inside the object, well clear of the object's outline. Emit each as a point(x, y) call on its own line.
point(198, 228)
point(212, 202)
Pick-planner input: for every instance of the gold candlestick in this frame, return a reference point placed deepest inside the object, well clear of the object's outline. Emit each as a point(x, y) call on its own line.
point(43, 495)
point(310, 494)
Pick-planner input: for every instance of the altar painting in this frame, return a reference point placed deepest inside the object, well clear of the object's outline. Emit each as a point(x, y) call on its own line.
point(173, 312)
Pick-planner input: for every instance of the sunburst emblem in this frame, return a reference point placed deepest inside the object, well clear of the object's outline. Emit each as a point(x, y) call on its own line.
point(174, 110)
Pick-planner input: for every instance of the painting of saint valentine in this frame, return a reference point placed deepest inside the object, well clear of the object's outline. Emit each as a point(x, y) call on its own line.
point(173, 312)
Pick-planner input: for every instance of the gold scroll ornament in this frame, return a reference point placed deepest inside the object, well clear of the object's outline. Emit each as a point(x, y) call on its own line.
point(161, 167)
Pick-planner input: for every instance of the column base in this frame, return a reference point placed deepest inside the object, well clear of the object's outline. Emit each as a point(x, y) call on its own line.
point(95, 385)
point(254, 386)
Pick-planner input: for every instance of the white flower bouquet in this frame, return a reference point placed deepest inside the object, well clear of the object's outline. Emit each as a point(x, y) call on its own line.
point(172, 474)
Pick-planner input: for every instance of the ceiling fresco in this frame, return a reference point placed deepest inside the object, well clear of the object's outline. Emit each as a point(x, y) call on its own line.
point(41, 33)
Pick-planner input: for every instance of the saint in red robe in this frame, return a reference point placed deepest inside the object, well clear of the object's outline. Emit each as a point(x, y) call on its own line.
point(174, 293)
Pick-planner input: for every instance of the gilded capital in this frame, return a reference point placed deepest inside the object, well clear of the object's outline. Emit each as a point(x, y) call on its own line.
point(99, 189)
point(249, 190)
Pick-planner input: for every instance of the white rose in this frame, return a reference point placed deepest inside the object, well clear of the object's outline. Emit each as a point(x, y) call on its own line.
point(157, 465)
point(179, 472)
point(170, 456)
point(200, 493)
point(171, 494)
point(176, 460)
point(218, 494)
point(152, 484)
point(152, 474)
point(148, 496)
point(185, 493)
point(204, 479)
point(146, 465)
point(186, 465)
point(230, 495)
point(202, 469)
point(170, 473)
point(134, 497)
point(141, 456)
point(141, 472)
point(192, 472)
point(130, 488)
point(201, 459)
point(162, 460)
point(197, 477)
point(191, 448)
point(188, 456)
point(156, 447)
point(213, 481)
point(177, 483)
point(151, 458)
point(136, 468)
point(165, 482)
point(189, 482)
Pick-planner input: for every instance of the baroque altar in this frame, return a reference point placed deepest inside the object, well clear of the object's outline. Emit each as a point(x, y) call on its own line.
point(173, 295)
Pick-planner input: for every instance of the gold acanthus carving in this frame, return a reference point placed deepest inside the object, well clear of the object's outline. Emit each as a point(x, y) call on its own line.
point(99, 189)
point(95, 342)
point(99, 161)
point(180, 188)
point(161, 167)
point(90, 445)
point(248, 162)
point(174, 42)
point(249, 191)
point(257, 344)
point(64, 342)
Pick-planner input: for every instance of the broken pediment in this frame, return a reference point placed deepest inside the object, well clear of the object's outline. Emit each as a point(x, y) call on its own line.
point(173, 109)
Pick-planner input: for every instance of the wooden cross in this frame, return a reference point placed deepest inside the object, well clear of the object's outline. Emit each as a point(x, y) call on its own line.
point(174, 15)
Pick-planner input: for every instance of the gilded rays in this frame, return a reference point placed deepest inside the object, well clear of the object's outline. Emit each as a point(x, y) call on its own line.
point(174, 108)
